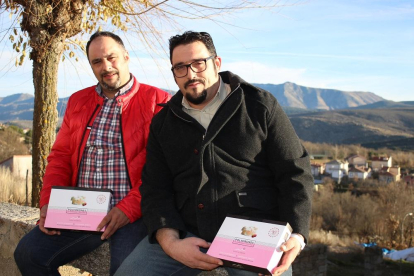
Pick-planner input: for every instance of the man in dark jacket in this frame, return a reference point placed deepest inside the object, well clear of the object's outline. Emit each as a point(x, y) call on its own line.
point(220, 146)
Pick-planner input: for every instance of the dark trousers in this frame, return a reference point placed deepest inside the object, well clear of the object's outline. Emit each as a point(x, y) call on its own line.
point(150, 260)
point(41, 254)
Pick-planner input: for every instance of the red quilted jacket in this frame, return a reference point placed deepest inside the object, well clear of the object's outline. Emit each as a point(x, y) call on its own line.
point(138, 108)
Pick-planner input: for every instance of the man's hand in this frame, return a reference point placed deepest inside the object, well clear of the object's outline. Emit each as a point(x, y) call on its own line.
point(114, 220)
point(186, 251)
point(42, 220)
point(291, 249)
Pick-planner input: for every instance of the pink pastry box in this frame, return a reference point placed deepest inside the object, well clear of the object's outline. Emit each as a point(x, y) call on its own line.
point(77, 208)
point(249, 244)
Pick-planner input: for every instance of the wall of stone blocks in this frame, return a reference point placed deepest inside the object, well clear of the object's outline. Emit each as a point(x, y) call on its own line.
point(16, 221)
point(373, 261)
point(312, 261)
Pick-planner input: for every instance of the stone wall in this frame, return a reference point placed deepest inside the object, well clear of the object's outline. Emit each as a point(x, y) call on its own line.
point(312, 261)
point(373, 261)
point(16, 221)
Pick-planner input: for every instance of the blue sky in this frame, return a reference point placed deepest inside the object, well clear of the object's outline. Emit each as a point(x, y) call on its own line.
point(350, 45)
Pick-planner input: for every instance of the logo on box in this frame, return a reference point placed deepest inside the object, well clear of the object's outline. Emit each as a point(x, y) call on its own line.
point(274, 232)
point(101, 199)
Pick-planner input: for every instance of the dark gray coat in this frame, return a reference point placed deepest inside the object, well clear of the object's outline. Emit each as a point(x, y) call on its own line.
point(248, 162)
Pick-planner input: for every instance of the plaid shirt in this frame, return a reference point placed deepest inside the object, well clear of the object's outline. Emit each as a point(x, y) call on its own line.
point(103, 163)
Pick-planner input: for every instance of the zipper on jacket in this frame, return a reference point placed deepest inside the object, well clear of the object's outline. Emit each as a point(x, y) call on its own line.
point(120, 104)
point(88, 126)
point(122, 143)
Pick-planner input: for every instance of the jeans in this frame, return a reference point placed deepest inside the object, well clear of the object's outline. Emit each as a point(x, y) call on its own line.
point(149, 259)
point(41, 254)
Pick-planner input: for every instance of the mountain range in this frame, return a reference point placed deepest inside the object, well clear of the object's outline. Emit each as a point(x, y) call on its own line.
point(318, 115)
point(295, 98)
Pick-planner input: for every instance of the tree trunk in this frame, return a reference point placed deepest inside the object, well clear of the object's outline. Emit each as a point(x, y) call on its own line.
point(48, 23)
point(45, 115)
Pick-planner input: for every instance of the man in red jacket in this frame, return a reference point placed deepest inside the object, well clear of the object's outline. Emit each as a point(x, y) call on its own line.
point(101, 144)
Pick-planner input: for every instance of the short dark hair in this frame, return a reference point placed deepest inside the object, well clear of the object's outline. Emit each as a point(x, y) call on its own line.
point(106, 34)
point(190, 37)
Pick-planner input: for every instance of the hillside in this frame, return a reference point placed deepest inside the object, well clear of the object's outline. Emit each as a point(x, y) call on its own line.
point(356, 126)
point(406, 144)
point(294, 98)
point(19, 107)
point(372, 124)
point(293, 95)
point(385, 104)
point(16, 107)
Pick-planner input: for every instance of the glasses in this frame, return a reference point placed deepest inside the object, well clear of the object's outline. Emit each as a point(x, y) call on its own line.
point(198, 66)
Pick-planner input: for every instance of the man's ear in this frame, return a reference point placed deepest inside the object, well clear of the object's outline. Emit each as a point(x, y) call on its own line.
point(217, 61)
point(126, 56)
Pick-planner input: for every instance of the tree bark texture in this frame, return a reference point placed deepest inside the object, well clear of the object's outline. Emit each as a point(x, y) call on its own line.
point(45, 117)
point(48, 24)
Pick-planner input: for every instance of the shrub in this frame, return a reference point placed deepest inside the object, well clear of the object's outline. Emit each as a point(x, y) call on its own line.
point(375, 215)
point(12, 188)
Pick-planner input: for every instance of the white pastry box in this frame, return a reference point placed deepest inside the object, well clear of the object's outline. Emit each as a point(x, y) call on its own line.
point(77, 208)
point(249, 244)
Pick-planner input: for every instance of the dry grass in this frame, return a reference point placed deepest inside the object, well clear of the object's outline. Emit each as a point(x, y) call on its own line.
point(13, 188)
point(370, 217)
point(331, 239)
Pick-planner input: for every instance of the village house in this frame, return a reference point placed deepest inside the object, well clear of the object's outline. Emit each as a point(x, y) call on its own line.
point(389, 174)
point(336, 165)
point(359, 173)
point(19, 165)
point(337, 169)
point(357, 160)
point(378, 162)
point(317, 169)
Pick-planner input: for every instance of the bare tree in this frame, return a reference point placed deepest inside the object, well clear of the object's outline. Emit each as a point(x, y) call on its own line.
point(47, 28)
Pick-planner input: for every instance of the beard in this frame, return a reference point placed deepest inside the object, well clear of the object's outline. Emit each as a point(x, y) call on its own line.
point(111, 87)
point(196, 99)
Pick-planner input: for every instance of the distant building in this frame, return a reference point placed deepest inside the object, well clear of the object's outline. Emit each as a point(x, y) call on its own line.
point(357, 160)
point(389, 174)
point(395, 170)
point(359, 173)
point(378, 162)
point(338, 175)
point(337, 169)
point(18, 165)
point(336, 165)
point(317, 169)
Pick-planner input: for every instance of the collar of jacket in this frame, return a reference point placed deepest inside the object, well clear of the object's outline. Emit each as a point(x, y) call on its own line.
point(228, 77)
point(226, 110)
point(122, 100)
